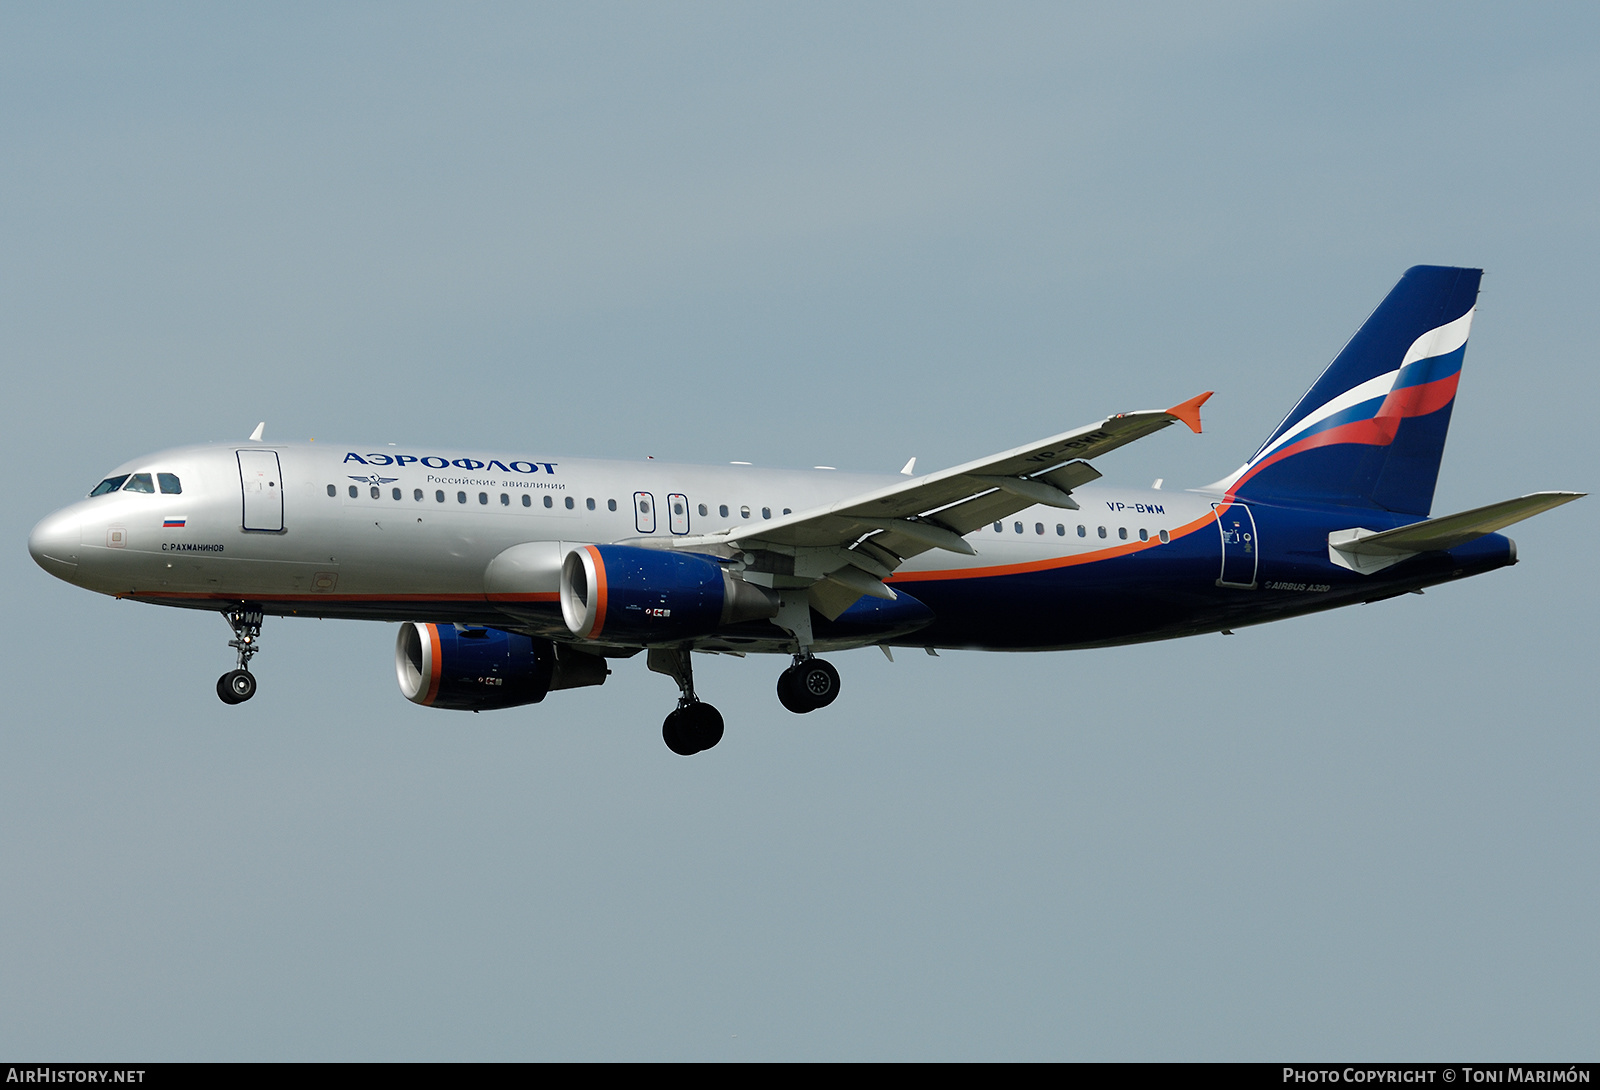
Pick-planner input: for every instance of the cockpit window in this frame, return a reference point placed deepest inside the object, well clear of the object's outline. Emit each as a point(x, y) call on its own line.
point(110, 484)
point(170, 485)
point(139, 482)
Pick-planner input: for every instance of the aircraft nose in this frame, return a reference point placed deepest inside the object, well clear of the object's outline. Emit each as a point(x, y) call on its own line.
point(54, 544)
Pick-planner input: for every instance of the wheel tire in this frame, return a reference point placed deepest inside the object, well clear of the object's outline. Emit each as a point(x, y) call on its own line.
point(241, 685)
point(676, 732)
point(703, 724)
point(789, 694)
point(818, 682)
point(225, 689)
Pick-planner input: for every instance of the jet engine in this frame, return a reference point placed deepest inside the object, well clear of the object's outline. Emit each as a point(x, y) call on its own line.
point(480, 669)
point(634, 595)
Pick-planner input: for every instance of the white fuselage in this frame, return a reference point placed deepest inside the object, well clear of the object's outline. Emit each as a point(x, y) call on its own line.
point(396, 534)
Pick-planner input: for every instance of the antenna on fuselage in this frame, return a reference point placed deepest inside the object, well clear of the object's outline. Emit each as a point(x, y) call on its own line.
point(255, 436)
point(906, 470)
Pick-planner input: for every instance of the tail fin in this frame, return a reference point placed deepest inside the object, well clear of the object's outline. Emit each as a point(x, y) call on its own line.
point(1370, 432)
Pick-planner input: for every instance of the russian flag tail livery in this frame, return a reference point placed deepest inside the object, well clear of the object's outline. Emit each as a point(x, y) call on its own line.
point(1370, 432)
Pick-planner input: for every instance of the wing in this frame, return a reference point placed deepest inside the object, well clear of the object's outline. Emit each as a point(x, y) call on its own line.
point(846, 549)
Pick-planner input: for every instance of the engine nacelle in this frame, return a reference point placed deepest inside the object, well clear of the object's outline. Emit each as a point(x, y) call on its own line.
point(633, 595)
point(481, 669)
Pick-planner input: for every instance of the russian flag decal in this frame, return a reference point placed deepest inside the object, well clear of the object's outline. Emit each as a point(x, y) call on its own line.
point(174, 523)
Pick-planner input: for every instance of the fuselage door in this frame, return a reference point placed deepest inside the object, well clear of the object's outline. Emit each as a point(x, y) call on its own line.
point(262, 483)
point(678, 513)
point(1240, 549)
point(644, 512)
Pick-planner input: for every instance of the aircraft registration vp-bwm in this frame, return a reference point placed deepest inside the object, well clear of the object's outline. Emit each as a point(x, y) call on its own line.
point(515, 573)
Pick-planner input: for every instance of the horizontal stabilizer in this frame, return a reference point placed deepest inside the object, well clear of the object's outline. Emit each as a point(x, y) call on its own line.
point(1367, 551)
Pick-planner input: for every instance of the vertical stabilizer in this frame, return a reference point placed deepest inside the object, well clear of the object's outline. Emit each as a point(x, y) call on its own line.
point(1371, 431)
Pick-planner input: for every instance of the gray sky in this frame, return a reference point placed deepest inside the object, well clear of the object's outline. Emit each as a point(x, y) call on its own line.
point(797, 235)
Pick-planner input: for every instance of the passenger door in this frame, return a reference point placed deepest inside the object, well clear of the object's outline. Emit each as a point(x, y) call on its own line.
point(261, 481)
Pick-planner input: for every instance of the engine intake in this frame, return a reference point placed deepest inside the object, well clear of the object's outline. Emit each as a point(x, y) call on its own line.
point(481, 669)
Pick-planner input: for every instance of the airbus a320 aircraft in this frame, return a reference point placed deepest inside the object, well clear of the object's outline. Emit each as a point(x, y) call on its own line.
point(516, 573)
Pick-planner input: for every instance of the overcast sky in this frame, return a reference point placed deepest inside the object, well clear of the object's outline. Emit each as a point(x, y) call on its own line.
point(838, 234)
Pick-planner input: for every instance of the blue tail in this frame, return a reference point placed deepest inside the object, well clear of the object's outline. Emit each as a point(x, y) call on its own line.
point(1370, 432)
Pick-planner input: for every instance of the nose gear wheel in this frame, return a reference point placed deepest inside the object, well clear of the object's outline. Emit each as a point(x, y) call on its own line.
point(238, 685)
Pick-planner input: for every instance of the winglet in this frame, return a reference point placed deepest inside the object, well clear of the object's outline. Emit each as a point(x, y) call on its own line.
point(1189, 411)
point(255, 436)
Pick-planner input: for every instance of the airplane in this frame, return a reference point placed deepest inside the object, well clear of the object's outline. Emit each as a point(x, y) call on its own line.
point(515, 575)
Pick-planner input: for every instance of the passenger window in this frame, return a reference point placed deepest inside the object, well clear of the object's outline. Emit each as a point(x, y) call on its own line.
point(1122, 532)
point(766, 512)
point(139, 482)
point(353, 492)
point(1102, 531)
point(461, 497)
point(1144, 535)
point(611, 505)
point(999, 528)
point(1061, 531)
point(395, 492)
point(1165, 537)
point(417, 495)
point(111, 484)
point(569, 503)
point(438, 496)
point(483, 498)
point(703, 511)
point(332, 491)
point(786, 510)
point(589, 503)
point(1018, 525)
point(374, 491)
point(527, 500)
point(548, 502)
point(744, 512)
point(505, 500)
point(169, 484)
point(1083, 531)
point(723, 510)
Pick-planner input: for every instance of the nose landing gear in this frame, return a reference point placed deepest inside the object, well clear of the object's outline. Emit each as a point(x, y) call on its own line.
point(238, 685)
point(808, 685)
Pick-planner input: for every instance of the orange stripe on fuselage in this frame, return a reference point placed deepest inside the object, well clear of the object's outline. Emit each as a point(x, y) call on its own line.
point(234, 596)
point(206, 595)
point(1053, 562)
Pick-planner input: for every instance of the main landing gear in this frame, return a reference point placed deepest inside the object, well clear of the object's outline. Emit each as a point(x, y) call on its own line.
point(695, 725)
point(808, 685)
point(238, 685)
